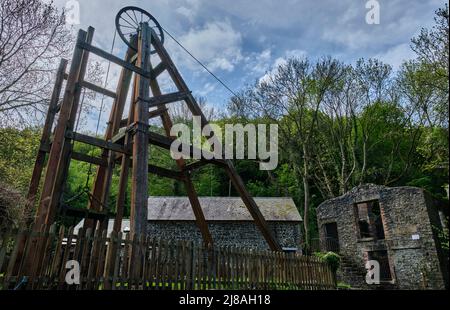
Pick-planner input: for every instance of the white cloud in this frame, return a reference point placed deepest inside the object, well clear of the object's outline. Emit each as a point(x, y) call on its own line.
point(258, 63)
point(189, 9)
point(396, 55)
point(282, 61)
point(216, 44)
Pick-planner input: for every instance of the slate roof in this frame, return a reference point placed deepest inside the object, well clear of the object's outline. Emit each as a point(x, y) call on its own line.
point(274, 209)
point(222, 209)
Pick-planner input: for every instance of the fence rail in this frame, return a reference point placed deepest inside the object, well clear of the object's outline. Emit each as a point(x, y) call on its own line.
point(40, 261)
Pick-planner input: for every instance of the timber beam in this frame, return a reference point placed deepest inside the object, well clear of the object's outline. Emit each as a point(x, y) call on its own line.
point(166, 173)
point(98, 89)
point(151, 114)
point(89, 159)
point(96, 142)
point(198, 164)
point(168, 98)
point(118, 61)
point(160, 68)
point(94, 87)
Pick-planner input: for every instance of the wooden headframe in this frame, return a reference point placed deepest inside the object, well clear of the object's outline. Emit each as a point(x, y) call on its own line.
point(127, 148)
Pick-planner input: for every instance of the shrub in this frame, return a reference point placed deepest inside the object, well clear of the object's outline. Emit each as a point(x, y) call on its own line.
point(12, 207)
point(332, 259)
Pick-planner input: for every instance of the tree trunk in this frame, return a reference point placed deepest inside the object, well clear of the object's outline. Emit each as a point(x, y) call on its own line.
point(305, 179)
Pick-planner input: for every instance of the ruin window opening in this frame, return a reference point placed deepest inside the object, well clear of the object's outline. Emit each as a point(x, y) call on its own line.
point(370, 223)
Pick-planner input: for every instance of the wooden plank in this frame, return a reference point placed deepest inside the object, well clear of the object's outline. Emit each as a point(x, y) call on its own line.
point(93, 259)
point(89, 159)
point(73, 99)
point(166, 173)
point(100, 281)
point(50, 195)
point(166, 142)
point(152, 263)
point(112, 247)
point(124, 171)
point(45, 137)
point(125, 263)
point(176, 77)
point(35, 270)
point(134, 262)
point(197, 165)
point(65, 259)
point(151, 114)
point(85, 250)
point(58, 139)
point(167, 98)
point(96, 142)
point(99, 52)
point(44, 268)
point(139, 171)
point(98, 89)
point(56, 261)
point(143, 244)
point(116, 263)
point(160, 68)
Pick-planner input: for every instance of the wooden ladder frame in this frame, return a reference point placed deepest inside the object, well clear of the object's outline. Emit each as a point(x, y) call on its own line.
point(128, 148)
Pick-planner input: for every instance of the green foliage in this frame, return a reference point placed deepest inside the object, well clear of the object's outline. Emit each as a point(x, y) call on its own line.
point(18, 149)
point(332, 259)
point(12, 207)
point(343, 286)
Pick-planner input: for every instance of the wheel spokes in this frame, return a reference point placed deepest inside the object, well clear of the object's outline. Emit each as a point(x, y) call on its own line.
point(126, 21)
point(132, 18)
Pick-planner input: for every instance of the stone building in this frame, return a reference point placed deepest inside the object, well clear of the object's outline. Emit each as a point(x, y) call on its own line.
point(228, 219)
point(398, 227)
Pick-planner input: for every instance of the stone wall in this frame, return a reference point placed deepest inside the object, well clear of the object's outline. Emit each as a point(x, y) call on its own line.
point(240, 234)
point(405, 212)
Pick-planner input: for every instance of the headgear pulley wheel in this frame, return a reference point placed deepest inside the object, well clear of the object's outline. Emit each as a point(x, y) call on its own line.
point(128, 23)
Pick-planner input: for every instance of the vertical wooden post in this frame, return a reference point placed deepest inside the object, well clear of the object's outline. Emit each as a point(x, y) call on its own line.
point(45, 138)
point(125, 165)
point(65, 155)
point(139, 172)
point(47, 202)
point(104, 174)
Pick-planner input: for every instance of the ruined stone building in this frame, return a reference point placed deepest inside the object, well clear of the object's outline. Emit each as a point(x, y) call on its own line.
point(229, 221)
point(398, 227)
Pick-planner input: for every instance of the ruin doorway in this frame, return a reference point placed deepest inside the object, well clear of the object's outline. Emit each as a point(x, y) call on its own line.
point(331, 237)
point(383, 259)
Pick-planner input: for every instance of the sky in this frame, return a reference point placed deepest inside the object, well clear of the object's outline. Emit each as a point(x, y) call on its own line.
point(241, 40)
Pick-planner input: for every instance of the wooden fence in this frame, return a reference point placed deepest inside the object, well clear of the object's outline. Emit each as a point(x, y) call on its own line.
point(43, 261)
